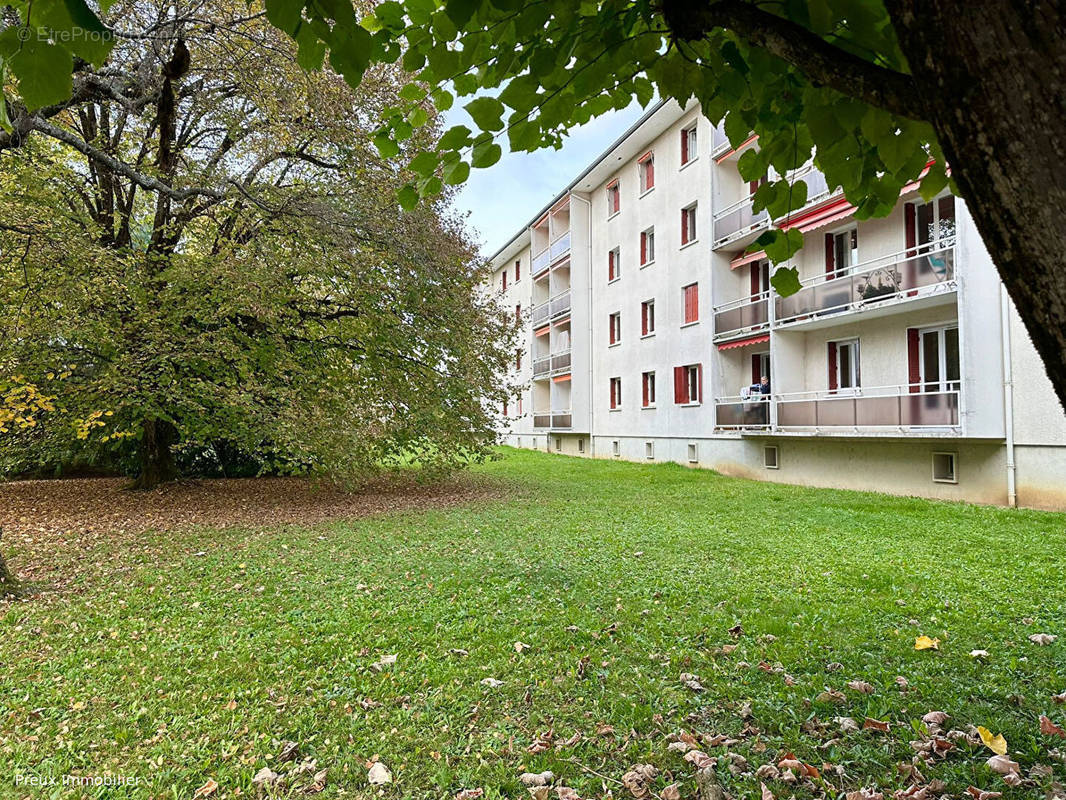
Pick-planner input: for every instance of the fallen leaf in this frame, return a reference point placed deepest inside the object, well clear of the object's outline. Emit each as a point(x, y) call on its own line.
point(847, 724)
point(978, 654)
point(542, 742)
point(206, 790)
point(458, 651)
point(1049, 728)
point(728, 648)
point(861, 686)
point(875, 725)
point(1002, 764)
point(265, 778)
point(539, 792)
point(736, 631)
point(536, 778)
point(671, 792)
point(1042, 639)
point(492, 683)
point(318, 783)
point(832, 696)
point(699, 759)
point(997, 744)
point(935, 718)
point(766, 793)
point(691, 681)
point(231, 705)
point(925, 643)
point(1059, 698)
point(981, 794)
point(566, 793)
point(864, 794)
point(520, 646)
point(379, 774)
point(385, 661)
point(469, 794)
point(603, 729)
point(637, 780)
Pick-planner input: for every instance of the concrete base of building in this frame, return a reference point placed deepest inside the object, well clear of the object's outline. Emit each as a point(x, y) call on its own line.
point(972, 471)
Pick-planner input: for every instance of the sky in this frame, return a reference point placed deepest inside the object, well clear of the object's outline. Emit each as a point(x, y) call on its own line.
point(502, 199)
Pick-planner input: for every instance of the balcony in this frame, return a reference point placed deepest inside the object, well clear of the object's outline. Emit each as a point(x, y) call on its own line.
point(737, 222)
point(541, 261)
point(542, 419)
point(560, 304)
point(883, 282)
point(742, 316)
point(560, 362)
point(742, 413)
point(559, 248)
point(541, 366)
point(884, 407)
point(540, 314)
point(562, 419)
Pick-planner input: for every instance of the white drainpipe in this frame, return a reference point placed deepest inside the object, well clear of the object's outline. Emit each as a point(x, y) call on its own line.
point(588, 314)
point(1008, 397)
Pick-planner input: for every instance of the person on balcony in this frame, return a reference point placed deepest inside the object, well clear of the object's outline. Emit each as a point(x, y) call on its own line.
point(762, 387)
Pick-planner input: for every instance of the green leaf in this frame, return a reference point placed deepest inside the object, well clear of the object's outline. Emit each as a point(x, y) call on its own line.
point(736, 129)
point(455, 138)
point(44, 71)
point(752, 164)
point(407, 197)
point(933, 183)
point(311, 50)
point(485, 154)
point(785, 281)
point(486, 112)
point(418, 117)
point(285, 14)
point(781, 245)
point(424, 163)
point(460, 11)
point(455, 173)
point(413, 92)
point(387, 148)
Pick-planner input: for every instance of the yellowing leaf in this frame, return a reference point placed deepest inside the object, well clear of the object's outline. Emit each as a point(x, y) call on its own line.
point(925, 643)
point(997, 744)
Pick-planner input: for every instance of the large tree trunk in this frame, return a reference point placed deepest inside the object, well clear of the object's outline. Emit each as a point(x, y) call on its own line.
point(992, 76)
point(157, 460)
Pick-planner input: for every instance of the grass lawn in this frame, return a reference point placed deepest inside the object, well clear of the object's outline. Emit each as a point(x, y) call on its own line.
point(196, 664)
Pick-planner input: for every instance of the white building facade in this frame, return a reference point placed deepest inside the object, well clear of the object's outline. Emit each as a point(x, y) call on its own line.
point(899, 366)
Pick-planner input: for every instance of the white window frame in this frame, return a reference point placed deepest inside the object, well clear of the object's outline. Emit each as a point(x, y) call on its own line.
point(649, 314)
point(940, 235)
point(615, 322)
point(648, 379)
point(855, 373)
point(642, 170)
point(690, 223)
point(615, 254)
point(853, 231)
point(614, 191)
point(942, 382)
point(648, 246)
point(692, 384)
point(692, 143)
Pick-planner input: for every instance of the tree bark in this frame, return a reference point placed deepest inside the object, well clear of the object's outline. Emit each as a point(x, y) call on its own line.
point(993, 80)
point(8, 583)
point(157, 459)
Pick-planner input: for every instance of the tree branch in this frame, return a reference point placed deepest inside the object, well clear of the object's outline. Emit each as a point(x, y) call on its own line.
point(822, 62)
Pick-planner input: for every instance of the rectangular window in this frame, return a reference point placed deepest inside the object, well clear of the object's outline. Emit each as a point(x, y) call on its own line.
point(648, 389)
point(691, 295)
point(841, 252)
point(647, 246)
point(616, 393)
point(935, 220)
point(688, 384)
point(944, 468)
point(844, 365)
point(581, 445)
point(517, 271)
point(615, 449)
point(649, 450)
point(614, 265)
point(938, 367)
point(615, 324)
point(647, 317)
point(518, 312)
point(503, 281)
point(693, 454)
point(769, 456)
point(760, 278)
point(688, 224)
point(688, 145)
point(505, 408)
point(614, 198)
point(646, 168)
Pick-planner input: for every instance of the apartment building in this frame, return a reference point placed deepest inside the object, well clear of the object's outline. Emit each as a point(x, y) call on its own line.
point(900, 365)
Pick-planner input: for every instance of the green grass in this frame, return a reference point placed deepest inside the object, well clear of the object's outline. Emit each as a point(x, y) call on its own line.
point(139, 675)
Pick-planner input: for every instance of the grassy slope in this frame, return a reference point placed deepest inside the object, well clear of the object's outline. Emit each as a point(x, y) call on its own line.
point(284, 627)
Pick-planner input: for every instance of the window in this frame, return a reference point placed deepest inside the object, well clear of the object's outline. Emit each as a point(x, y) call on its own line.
point(558, 443)
point(614, 198)
point(769, 456)
point(760, 278)
point(647, 390)
point(688, 224)
point(844, 365)
point(841, 251)
point(505, 408)
point(934, 359)
point(503, 281)
point(944, 468)
point(691, 295)
point(688, 145)
point(647, 246)
point(520, 405)
point(647, 318)
point(760, 367)
point(932, 221)
point(693, 453)
point(518, 360)
point(615, 325)
point(581, 445)
point(649, 450)
point(616, 393)
point(517, 271)
point(518, 312)
point(615, 449)
point(614, 265)
point(646, 168)
point(688, 384)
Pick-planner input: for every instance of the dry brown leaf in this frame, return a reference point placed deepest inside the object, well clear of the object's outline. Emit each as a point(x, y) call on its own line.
point(385, 661)
point(1002, 765)
point(671, 792)
point(864, 794)
point(875, 724)
point(766, 794)
point(691, 681)
point(1042, 639)
point(981, 794)
point(832, 696)
point(265, 778)
point(847, 724)
point(206, 790)
point(736, 631)
point(699, 759)
point(935, 718)
point(637, 780)
point(728, 648)
point(231, 705)
point(1049, 728)
point(1059, 698)
point(520, 646)
point(542, 742)
point(470, 794)
point(379, 774)
point(318, 783)
point(603, 729)
point(566, 793)
point(539, 792)
point(492, 683)
point(536, 778)
point(861, 686)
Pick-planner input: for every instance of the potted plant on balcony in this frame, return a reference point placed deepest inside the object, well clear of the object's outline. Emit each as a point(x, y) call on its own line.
point(887, 283)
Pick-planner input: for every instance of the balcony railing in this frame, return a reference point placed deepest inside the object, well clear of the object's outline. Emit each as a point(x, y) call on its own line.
point(748, 314)
point(893, 277)
point(735, 220)
point(559, 248)
point(719, 141)
point(541, 366)
point(562, 419)
point(541, 261)
point(540, 314)
point(542, 419)
point(881, 407)
point(906, 406)
point(742, 412)
point(560, 304)
point(560, 361)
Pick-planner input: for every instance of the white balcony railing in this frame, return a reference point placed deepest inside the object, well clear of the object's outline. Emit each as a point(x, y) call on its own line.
point(736, 220)
point(562, 419)
point(541, 261)
point(740, 316)
point(560, 362)
point(900, 276)
point(559, 248)
point(748, 413)
point(560, 304)
point(541, 366)
point(540, 314)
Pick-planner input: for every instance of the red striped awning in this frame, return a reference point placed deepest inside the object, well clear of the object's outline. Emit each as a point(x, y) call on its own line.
point(562, 321)
point(561, 378)
point(825, 214)
point(542, 331)
point(744, 342)
point(644, 157)
point(747, 258)
point(743, 144)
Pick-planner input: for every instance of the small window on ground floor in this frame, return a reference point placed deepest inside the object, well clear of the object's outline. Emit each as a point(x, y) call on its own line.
point(649, 449)
point(769, 456)
point(944, 468)
point(558, 442)
point(615, 449)
point(693, 453)
point(581, 445)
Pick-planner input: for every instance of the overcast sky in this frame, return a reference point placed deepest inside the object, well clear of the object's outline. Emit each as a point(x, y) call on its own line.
point(503, 198)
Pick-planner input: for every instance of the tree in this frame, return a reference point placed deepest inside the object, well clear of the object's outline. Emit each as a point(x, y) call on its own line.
point(203, 250)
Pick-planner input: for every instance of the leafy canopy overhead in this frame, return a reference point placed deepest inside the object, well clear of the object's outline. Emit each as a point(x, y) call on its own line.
point(812, 78)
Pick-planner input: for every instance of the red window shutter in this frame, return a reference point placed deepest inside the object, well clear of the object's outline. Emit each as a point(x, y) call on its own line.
point(684, 226)
point(756, 368)
point(680, 390)
point(699, 383)
point(644, 248)
point(505, 408)
point(644, 387)
point(517, 271)
point(694, 291)
point(649, 175)
point(830, 256)
point(910, 226)
point(610, 330)
point(753, 186)
point(518, 311)
point(684, 147)
point(914, 369)
point(833, 382)
point(643, 319)
point(756, 279)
